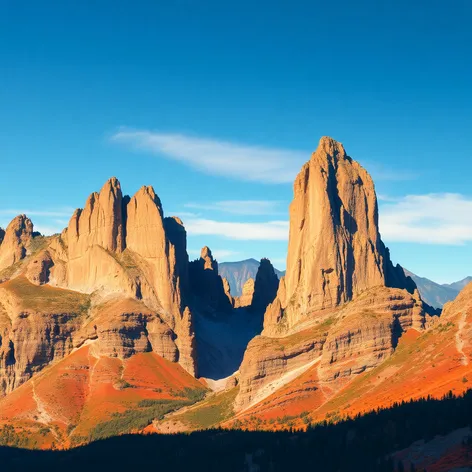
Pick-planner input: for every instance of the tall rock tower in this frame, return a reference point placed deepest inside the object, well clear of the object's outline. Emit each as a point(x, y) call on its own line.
point(335, 251)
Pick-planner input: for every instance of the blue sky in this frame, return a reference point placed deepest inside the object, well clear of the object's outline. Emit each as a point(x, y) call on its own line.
point(217, 105)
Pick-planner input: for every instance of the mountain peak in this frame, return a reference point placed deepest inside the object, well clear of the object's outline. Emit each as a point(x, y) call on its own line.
point(206, 253)
point(335, 251)
point(330, 147)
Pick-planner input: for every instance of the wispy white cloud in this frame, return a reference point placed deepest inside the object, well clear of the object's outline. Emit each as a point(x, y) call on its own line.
point(242, 207)
point(221, 158)
point(437, 218)
point(235, 160)
point(270, 231)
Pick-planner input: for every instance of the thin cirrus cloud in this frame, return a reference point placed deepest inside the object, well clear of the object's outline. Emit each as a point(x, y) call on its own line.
point(220, 158)
point(436, 218)
point(234, 160)
point(242, 207)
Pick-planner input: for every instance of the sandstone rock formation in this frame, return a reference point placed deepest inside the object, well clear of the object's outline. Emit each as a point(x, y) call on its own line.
point(39, 269)
point(146, 236)
point(118, 283)
point(94, 236)
point(274, 323)
point(335, 251)
point(459, 314)
point(258, 293)
point(15, 240)
point(227, 290)
point(245, 300)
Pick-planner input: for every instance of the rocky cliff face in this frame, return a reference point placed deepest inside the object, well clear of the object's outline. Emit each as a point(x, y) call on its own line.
point(258, 293)
point(94, 237)
point(124, 327)
point(148, 240)
point(39, 269)
point(245, 300)
point(15, 240)
point(269, 363)
point(346, 342)
point(367, 331)
point(37, 327)
point(227, 290)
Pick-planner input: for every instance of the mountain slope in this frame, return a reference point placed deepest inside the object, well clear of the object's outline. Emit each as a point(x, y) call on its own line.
point(90, 396)
point(460, 284)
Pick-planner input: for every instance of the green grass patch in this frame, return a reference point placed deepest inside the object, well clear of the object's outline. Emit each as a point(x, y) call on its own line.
point(213, 411)
point(48, 299)
point(143, 415)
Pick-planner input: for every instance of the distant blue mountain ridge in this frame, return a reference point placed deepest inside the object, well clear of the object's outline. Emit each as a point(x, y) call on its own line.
point(237, 273)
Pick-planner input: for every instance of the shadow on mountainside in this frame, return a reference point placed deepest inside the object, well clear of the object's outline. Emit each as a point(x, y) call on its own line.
point(222, 341)
point(362, 444)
